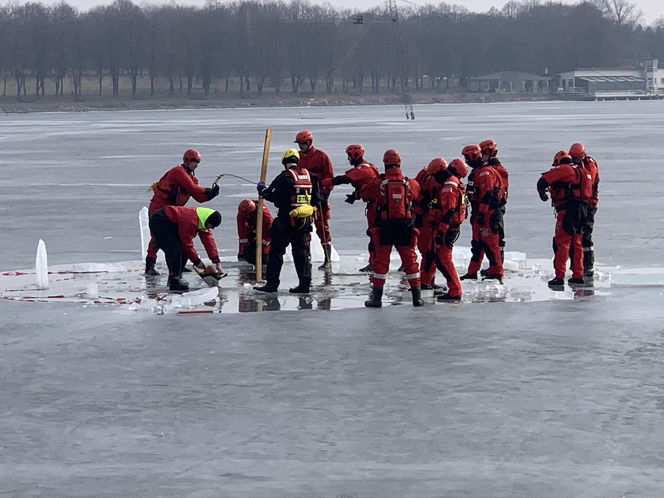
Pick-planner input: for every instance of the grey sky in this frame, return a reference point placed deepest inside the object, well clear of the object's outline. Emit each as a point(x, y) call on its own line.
point(652, 9)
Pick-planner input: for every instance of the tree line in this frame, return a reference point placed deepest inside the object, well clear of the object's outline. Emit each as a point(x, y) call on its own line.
point(304, 48)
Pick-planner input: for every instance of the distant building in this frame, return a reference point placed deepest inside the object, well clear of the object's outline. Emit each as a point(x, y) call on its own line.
point(647, 80)
point(509, 81)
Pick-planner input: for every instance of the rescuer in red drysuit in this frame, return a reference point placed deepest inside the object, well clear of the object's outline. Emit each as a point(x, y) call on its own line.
point(319, 165)
point(359, 176)
point(429, 179)
point(446, 218)
point(174, 189)
point(174, 229)
point(489, 156)
point(394, 195)
point(246, 231)
point(483, 190)
point(570, 191)
point(587, 163)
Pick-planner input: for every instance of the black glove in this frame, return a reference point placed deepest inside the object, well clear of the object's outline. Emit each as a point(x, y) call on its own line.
point(350, 198)
point(480, 218)
point(543, 196)
point(212, 192)
point(260, 187)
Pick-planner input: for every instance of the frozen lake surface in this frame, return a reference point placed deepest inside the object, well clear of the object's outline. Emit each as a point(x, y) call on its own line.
point(538, 398)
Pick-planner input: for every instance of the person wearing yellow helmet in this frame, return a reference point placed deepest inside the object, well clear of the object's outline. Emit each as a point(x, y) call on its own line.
point(294, 195)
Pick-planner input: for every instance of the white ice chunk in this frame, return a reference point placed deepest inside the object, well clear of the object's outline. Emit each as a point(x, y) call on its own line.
point(145, 229)
point(41, 265)
point(143, 222)
point(194, 298)
point(511, 265)
point(92, 290)
point(638, 277)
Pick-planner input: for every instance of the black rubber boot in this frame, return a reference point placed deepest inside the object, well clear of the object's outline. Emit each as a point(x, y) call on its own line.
point(304, 287)
point(417, 296)
point(446, 298)
point(468, 276)
point(556, 282)
point(268, 287)
point(366, 269)
point(177, 284)
point(327, 263)
point(150, 270)
point(576, 280)
point(375, 298)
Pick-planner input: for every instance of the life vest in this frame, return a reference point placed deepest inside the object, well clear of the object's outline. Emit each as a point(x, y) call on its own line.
point(583, 190)
point(396, 201)
point(302, 187)
point(457, 215)
point(460, 212)
point(471, 193)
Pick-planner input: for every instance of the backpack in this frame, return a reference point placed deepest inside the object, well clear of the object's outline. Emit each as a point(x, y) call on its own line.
point(396, 202)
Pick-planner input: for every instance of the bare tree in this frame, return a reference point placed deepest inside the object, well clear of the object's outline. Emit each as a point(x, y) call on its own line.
point(621, 12)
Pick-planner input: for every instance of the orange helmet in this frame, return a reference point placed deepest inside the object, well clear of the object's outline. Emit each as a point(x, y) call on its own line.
point(304, 136)
point(391, 158)
point(459, 167)
point(355, 151)
point(437, 164)
point(191, 154)
point(489, 147)
point(577, 151)
point(472, 152)
point(247, 207)
point(562, 157)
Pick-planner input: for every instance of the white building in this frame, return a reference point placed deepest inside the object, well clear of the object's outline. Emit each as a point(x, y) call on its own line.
point(644, 81)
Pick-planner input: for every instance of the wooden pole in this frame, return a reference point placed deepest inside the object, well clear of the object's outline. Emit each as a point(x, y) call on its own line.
point(259, 208)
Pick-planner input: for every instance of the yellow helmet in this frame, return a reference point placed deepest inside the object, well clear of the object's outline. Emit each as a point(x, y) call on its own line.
point(291, 153)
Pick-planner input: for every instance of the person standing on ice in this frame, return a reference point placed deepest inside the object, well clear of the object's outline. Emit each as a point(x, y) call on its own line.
point(174, 189)
point(394, 195)
point(319, 166)
point(446, 218)
point(489, 156)
point(570, 191)
point(359, 176)
point(174, 229)
point(428, 179)
point(246, 231)
point(484, 187)
point(590, 168)
point(294, 194)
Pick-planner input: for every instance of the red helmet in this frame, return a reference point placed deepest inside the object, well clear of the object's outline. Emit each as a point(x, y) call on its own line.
point(304, 136)
point(489, 147)
point(472, 152)
point(459, 167)
point(391, 157)
point(560, 155)
point(247, 207)
point(355, 151)
point(190, 154)
point(437, 164)
point(577, 151)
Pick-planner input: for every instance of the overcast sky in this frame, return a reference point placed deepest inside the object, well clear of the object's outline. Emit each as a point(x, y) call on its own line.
point(652, 9)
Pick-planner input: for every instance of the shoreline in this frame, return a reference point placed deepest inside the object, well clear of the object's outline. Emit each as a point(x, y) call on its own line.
point(26, 105)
